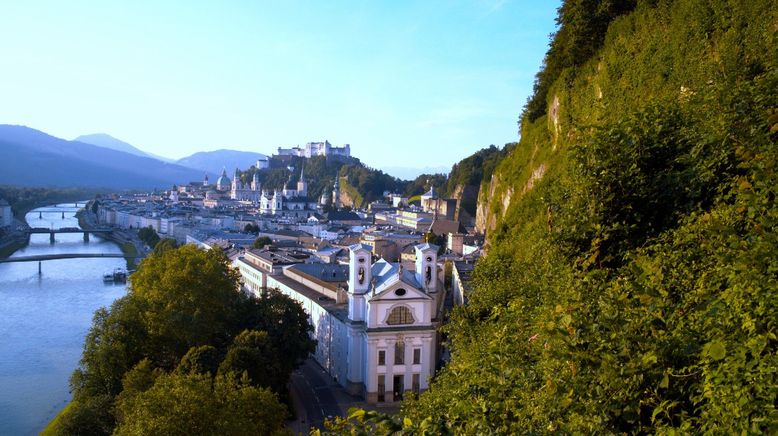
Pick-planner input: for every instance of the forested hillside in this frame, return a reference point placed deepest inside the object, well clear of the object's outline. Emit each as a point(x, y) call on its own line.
point(630, 283)
point(469, 175)
point(320, 173)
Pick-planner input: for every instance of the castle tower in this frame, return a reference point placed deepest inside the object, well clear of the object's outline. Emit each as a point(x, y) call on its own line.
point(359, 277)
point(427, 266)
point(336, 193)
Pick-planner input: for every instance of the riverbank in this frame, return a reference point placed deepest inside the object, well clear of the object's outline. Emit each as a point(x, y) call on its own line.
point(51, 428)
point(13, 238)
point(127, 240)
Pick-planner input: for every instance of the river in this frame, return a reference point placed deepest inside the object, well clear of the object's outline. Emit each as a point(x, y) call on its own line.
point(44, 319)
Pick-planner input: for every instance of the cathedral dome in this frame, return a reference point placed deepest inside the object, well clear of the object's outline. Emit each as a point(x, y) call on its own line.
point(224, 182)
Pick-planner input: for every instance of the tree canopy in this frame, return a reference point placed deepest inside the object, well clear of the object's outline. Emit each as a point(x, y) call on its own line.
point(176, 353)
point(190, 404)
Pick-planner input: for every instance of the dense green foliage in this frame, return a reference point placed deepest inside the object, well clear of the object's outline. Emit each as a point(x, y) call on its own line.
point(320, 173)
point(370, 183)
point(181, 334)
point(163, 245)
point(262, 241)
point(630, 286)
point(423, 183)
point(471, 172)
point(149, 236)
point(191, 404)
point(582, 25)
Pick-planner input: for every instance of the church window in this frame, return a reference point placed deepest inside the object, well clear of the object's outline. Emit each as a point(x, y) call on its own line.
point(399, 353)
point(400, 292)
point(381, 357)
point(400, 315)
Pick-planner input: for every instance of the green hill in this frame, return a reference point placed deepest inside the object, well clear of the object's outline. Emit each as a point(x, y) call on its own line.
point(630, 284)
point(320, 173)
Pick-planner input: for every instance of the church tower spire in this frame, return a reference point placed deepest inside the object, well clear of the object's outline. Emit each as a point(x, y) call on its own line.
point(302, 186)
point(255, 182)
point(336, 193)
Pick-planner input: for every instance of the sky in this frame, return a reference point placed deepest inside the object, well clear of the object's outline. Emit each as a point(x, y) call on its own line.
point(408, 84)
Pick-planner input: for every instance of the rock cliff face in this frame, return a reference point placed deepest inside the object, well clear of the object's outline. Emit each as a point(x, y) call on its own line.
point(349, 196)
point(467, 200)
point(494, 198)
point(485, 219)
point(346, 200)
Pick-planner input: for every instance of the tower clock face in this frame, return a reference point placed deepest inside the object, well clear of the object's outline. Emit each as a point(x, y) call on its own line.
point(429, 258)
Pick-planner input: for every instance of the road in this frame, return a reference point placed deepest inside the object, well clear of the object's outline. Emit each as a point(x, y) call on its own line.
point(315, 397)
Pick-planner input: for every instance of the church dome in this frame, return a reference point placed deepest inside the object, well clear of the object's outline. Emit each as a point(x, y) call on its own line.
point(223, 182)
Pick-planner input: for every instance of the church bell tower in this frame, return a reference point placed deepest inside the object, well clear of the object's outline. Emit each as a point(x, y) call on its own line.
point(359, 277)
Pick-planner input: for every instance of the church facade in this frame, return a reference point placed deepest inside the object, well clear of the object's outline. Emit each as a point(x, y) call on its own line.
point(242, 192)
point(374, 322)
point(292, 200)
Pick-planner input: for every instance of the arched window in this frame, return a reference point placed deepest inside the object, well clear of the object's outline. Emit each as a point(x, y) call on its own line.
point(400, 315)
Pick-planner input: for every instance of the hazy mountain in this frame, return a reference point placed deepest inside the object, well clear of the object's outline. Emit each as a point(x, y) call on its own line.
point(213, 161)
point(410, 173)
point(108, 141)
point(29, 157)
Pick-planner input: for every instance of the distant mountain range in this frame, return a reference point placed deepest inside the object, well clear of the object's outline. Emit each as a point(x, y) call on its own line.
point(29, 157)
point(108, 141)
point(212, 162)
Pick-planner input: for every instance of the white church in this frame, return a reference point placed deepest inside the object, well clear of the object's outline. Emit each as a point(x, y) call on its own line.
point(242, 192)
point(375, 322)
point(292, 200)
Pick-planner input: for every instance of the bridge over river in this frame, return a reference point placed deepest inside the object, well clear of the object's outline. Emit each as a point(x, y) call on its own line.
point(52, 232)
point(41, 257)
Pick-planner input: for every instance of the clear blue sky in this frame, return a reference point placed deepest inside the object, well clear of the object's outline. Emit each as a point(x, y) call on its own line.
point(408, 84)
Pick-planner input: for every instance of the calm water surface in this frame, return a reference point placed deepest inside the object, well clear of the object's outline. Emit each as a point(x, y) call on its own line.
point(43, 319)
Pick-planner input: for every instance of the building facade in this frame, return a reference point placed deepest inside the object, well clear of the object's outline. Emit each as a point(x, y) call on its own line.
point(375, 323)
point(312, 149)
point(242, 192)
point(292, 200)
point(6, 215)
